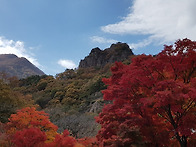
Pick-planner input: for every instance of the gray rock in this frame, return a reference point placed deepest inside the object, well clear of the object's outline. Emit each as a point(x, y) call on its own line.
point(99, 58)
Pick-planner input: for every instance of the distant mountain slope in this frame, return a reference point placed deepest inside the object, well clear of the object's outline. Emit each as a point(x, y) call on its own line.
point(99, 58)
point(19, 67)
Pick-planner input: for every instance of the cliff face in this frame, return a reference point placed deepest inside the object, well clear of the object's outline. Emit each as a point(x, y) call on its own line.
point(19, 67)
point(99, 58)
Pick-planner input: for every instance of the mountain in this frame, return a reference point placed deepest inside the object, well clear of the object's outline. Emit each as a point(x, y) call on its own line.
point(19, 67)
point(99, 58)
point(73, 98)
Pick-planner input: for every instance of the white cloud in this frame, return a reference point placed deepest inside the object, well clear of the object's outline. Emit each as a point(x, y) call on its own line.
point(162, 20)
point(102, 40)
point(67, 64)
point(17, 48)
point(140, 44)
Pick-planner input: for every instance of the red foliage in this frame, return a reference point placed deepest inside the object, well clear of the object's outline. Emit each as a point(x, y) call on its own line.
point(32, 137)
point(64, 140)
point(153, 99)
point(88, 142)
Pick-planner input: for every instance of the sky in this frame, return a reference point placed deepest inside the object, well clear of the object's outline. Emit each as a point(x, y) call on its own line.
point(56, 35)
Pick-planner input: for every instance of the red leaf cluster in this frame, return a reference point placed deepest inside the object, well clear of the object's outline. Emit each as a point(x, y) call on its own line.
point(63, 140)
point(32, 137)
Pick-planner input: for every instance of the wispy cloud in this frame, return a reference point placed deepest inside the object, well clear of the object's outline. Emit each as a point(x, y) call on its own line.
point(69, 64)
point(17, 48)
point(101, 40)
point(140, 44)
point(161, 20)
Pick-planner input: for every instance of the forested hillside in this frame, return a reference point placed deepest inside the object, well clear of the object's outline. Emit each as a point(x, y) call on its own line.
point(72, 98)
point(144, 100)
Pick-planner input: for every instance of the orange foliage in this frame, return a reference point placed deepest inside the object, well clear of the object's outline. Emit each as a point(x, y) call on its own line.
point(31, 128)
point(30, 118)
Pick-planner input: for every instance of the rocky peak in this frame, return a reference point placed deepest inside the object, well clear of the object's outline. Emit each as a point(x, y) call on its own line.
point(95, 50)
point(119, 46)
point(99, 58)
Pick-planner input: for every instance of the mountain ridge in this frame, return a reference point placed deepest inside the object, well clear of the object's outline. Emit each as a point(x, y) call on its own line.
point(19, 67)
point(99, 58)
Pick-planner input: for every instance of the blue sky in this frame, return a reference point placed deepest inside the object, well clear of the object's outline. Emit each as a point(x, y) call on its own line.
point(55, 35)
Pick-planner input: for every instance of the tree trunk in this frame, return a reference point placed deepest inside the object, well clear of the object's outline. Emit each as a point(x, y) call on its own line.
point(183, 141)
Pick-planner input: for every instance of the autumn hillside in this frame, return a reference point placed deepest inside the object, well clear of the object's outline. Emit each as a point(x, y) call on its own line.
point(72, 98)
point(143, 100)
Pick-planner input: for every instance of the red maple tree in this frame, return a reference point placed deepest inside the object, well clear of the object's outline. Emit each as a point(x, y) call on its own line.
point(153, 100)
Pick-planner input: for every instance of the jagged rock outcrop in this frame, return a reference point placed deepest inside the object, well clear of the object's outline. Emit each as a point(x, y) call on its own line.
point(99, 58)
point(19, 67)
